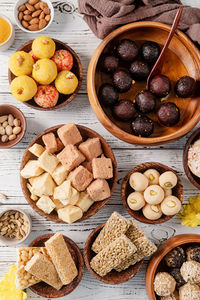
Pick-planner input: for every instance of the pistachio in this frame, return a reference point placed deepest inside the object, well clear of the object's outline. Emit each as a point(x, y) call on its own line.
point(133, 201)
point(151, 177)
point(155, 208)
point(152, 193)
point(171, 203)
point(168, 184)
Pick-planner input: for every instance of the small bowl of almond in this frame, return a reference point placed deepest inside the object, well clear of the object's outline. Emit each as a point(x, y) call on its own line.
point(33, 15)
point(15, 226)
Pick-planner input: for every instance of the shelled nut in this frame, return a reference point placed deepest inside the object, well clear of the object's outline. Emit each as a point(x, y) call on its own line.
point(10, 127)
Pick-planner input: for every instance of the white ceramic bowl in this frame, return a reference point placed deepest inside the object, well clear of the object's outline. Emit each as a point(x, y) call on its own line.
point(16, 12)
point(5, 45)
point(13, 242)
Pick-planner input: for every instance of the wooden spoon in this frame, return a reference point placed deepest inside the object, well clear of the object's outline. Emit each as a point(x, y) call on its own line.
point(157, 68)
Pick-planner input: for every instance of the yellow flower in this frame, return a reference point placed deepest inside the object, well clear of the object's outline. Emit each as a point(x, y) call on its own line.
point(190, 214)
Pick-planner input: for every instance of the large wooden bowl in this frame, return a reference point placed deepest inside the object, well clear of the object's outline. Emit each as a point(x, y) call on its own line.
point(113, 277)
point(155, 264)
point(126, 190)
point(193, 178)
point(182, 58)
point(86, 133)
point(43, 289)
point(77, 70)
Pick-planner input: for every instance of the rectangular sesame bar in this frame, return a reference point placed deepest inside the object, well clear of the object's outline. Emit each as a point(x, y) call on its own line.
point(114, 228)
point(61, 258)
point(144, 248)
point(112, 255)
point(43, 268)
point(134, 232)
point(23, 278)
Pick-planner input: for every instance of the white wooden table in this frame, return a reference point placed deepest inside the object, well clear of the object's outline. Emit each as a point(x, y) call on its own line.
point(69, 27)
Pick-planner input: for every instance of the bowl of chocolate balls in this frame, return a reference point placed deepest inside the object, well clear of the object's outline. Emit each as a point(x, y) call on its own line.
point(117, 91)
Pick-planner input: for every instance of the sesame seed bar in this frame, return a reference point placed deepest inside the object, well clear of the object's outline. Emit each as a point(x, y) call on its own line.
point(144, 248)
point(112, 255)
point(114, 228)
point(23, 278)
point(134, 232)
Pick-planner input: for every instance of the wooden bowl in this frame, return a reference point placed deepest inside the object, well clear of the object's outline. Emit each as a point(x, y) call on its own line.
point(126, 189)
point(77, 70)
point(182, 58)
point(113, 277)
point(10, 109)
point(43, 289)
point(193, 178)
point(86, 133)
point(155, 265)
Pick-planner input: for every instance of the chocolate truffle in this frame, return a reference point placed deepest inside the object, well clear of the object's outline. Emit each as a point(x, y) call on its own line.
point(150, 51)
point(139, 70)
point(124, 110)
point(142, 126)
point(127, 50)
point(175, 258)
point(138, 182)
point(122, 80)
point(160, 85)
point(185, 87)
point(164, 284)
point(109, 63)
point(193, 253)
point(136, 201)
point(190, 271)
point(108, 94)
point(168, 114)
point(145, 102)
point(177, 276)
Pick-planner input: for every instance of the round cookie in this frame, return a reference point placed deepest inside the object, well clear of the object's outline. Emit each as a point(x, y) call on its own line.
point(43, 47)
point(66, 82)
point(152, 175)
point(168, 180)
point(189, 292)
point(170, 206)
point(175, 258)
point(20, 63)
point(190, 271)
point(164, 284)
point(46, 96)
point(154, 194)
point(136, 201)
point(44, 71)
point(63, 60)
point(138, 182)
point(193, 253)
point(152, 212)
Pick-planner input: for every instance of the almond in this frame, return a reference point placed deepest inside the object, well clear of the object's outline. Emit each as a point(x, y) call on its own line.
point(20, 15)
point(33, 27)
point(46, 10)
point(42, 15)
point(43, 5)
point(37, 5)
point(34, 21)
point(36, 13)
point(22, 8)
point(27, 17)
point(47, 18)
point(27, 12)
point(42, 23)
point(30, 7)
point(25, 24)
point(33, 2)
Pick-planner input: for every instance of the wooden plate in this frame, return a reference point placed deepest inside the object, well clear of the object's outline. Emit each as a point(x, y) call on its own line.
point(113, 277)
point(182, 58)
point(43, 289)
point(77, 70)
point(126, 189)
point(193, 178)
point(156, 259)
point(86, 133)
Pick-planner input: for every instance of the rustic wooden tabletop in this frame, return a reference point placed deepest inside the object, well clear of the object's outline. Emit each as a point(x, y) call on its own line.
point(69, 27)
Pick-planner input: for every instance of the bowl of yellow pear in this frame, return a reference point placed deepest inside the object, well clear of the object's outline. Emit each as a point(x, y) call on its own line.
point(45, 74)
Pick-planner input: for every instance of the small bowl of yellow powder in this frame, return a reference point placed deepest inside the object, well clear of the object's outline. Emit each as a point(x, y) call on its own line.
point(7, 33)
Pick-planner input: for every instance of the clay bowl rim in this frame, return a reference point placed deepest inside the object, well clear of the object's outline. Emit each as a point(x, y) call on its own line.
point(80, 267)
point(12, 108)
point(96, 106)
point(79, 66)
point(157, 257)
point(97, 205)
point(193, 179)
point(126, 275)
point(141, 168)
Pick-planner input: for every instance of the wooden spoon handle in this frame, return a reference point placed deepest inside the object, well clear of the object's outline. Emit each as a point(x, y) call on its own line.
point(157, 68)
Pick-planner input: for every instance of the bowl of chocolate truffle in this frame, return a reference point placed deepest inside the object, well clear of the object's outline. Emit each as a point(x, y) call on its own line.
point(174, 270)
point(117, 89)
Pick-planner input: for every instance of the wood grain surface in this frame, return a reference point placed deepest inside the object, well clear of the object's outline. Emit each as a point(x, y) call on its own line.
point(69, 27)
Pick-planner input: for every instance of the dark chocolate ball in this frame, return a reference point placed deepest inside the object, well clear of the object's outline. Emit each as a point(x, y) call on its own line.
point(185, 87)
point(109, 63)
point(168, 114)
point(108, 94)
point(193, 253)
point(122, 80)
point(175, 258)
point(177, 276)
point(145, 102)
point(142, 126)
point(124, 110)
point(127, 50)
point(160, 85)
point(150, 51)
point(139, 70)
